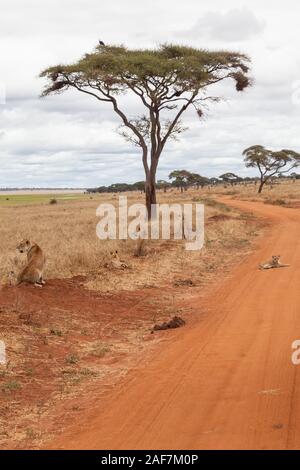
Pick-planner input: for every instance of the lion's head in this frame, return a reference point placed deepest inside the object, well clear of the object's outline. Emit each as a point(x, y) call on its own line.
point(24, 246)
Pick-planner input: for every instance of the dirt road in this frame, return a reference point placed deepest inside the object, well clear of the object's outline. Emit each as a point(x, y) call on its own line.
point(227, 382)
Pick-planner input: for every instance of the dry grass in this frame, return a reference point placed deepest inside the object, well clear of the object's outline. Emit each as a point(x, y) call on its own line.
point(283, 193)
point(67, 233)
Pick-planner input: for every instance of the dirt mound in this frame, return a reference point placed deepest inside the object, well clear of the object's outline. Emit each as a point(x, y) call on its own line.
point(176, 322)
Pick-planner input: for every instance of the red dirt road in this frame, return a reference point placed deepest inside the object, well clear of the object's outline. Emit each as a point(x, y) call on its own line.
point(226, 382)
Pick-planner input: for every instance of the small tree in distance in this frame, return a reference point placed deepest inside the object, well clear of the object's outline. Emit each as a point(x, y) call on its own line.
point(180, 178)
point(230, 178)
point(183, 178)
point(167, 81)
point(194, 179)
point(270, 163)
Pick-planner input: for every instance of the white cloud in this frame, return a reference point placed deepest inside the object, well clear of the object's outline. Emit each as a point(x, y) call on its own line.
point(234, 25)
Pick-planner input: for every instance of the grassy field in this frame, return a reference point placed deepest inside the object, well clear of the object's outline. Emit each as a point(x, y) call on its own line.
point(25, 199)
point(67, 233)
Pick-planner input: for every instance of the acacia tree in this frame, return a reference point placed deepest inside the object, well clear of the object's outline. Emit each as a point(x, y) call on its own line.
point(229, 178)
point(167, 81)
point(180, 178)
point(194, 179)
point(270, 163)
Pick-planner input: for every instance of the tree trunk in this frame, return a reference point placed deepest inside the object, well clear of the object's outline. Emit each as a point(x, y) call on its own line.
point(262, 182)
point(150, 190)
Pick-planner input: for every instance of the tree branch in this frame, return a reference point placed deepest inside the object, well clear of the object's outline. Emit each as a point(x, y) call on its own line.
point(177, 117)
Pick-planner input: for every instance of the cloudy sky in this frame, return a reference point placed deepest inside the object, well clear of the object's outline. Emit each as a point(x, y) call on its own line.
point(70, 140)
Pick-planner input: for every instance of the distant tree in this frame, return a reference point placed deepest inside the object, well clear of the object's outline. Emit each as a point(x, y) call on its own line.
point(167, 81)
point(270, 163)
point(120, 187)
point(213, 181)
point(194, 179)
point(230, 178)
point(100, 189)
point(162, 184)
point(180, 178)
point(139, 186)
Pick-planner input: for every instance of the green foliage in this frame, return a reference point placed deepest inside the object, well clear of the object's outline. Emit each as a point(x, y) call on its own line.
point(179, 174)
point(119, 188)
point(169, 78)
point(118, 69)
point(196, 179)
point(183, 178)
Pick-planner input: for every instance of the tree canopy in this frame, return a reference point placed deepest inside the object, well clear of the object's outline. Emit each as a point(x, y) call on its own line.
point(229, 177)
point(184, 178)
point(111, 70)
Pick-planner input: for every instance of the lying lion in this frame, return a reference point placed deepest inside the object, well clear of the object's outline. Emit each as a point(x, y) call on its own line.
point(273, 263)
point(115, 262)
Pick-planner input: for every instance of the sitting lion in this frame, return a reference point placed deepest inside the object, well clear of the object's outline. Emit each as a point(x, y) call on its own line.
point(33, 271)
